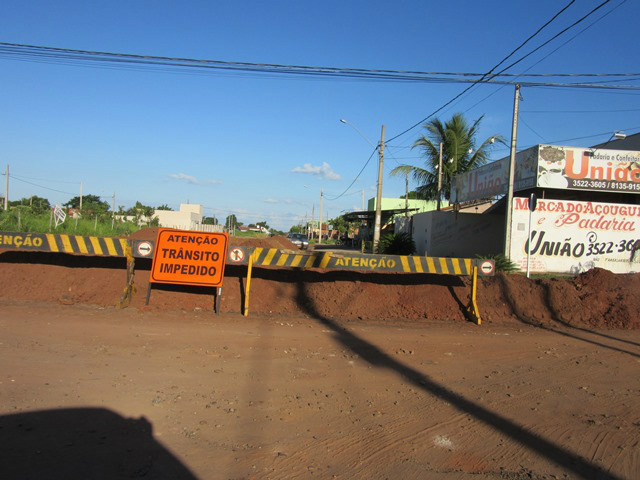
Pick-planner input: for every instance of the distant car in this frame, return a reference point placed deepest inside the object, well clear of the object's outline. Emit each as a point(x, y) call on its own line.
point(299, 239)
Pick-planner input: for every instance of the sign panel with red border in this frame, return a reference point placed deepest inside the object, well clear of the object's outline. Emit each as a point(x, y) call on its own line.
point(143, 249)
point(237, 255)
point(189, 258)
point(486, 268)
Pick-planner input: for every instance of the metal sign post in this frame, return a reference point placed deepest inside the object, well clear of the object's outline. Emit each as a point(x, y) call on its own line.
point(533, 202)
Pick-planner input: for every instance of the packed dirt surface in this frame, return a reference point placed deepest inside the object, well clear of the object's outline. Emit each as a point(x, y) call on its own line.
point(93, 392)
point(597, 298)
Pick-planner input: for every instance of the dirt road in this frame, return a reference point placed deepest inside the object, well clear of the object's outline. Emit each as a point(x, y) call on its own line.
point(92, 392)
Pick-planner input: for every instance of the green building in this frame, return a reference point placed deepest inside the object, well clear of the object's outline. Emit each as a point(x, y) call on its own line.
point(399, 203)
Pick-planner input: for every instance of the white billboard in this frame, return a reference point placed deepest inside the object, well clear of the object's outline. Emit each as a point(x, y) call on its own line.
point(492, 179)
point(576, 168)
point(572, 237)
point(550, 166)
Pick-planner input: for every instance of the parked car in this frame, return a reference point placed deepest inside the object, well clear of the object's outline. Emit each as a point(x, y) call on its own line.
point(299, 239)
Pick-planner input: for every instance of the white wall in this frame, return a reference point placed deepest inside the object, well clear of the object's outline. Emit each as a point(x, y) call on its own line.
point(187, 218)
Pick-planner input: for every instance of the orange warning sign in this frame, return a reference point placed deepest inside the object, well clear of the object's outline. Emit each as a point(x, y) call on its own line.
point(189, 258)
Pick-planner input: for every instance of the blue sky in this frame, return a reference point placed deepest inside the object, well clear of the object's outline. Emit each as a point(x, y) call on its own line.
point(263, 146)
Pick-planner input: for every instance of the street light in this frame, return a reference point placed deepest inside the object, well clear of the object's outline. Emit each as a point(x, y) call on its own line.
point(342, 120)
point(618, 135)
point(378, 218)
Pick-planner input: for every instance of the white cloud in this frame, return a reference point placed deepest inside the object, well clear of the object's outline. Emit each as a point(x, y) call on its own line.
point(284, 201)
point(183, 177)
point(324, 171)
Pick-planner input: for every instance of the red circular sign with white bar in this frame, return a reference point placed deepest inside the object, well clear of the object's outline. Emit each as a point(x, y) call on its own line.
point(487, 267)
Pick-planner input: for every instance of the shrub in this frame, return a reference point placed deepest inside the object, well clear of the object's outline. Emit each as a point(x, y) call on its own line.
point(397, 244)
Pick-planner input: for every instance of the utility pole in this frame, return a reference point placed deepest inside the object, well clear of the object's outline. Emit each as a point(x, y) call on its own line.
point(81, 196)
point(328, 226)
point(320, 234)
point(6, 189)
point(363, 200)
point(512, 166)
point(406, 195)
point(377, 226)
point(313, 213)
point(113, 209)
point(440, 176)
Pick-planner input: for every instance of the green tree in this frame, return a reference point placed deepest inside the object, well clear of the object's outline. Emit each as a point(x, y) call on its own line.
point(263, 224)
point(36, 204)
point(209, 221)
point(91, 204)
point(234, 221)
point(413, 195)
point(339, 224)
point(141, 212)
point(164, 207)
point(461, 153)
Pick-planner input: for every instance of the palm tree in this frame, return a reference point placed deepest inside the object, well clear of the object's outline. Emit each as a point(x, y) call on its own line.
point(459, 154)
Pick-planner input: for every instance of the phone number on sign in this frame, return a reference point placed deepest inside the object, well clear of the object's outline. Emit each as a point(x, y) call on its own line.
point(602, 248)
point(605, 184)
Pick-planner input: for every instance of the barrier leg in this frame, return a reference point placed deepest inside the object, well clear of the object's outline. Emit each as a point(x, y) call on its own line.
point(472, 308)
point(246, 294)
point(146, 301)
point(129, 288)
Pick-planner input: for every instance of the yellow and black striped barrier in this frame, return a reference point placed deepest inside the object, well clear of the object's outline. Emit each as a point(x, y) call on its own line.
point(62, 243)
point(259, 257)
point(271, 257)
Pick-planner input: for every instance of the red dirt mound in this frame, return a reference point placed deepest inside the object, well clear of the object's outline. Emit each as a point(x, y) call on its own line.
point(277, 241)
point(595, 299)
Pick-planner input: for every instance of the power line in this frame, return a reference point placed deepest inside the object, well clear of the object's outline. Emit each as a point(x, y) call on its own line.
point(580, 32)
point(487, 74)
point(357, 176)
point(532, 129)
point(608, 132)
point(582, 111)
point(41, 186)
point(558, 34)
point(43, 179)
point(54, 54)
point(548, 55)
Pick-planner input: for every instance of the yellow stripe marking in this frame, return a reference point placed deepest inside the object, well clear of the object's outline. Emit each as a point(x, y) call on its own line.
point(431, 265)
point(52, 242)
point(296, 260)
point(256, 253)
point(456, 266)
point(81, 245)
point(418, 264)
point(467, 265)
point(111, 247)
point(325, 260)
point(443, 265)
point(124, 244)
point(405, 264)
point(97, 249)
point(310, 261)
point(66, 243)
point(282, 259)
point(270, 254)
